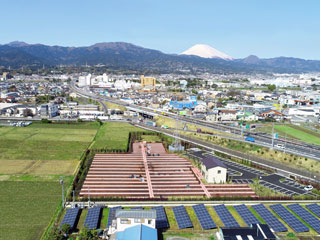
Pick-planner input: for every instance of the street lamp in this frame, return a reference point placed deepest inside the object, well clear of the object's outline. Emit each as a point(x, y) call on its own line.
point(61, 182)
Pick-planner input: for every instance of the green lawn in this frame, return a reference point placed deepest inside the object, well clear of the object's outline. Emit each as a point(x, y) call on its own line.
point(299, 134)
point(114, 135)
point(26, 208)
point(150, 138)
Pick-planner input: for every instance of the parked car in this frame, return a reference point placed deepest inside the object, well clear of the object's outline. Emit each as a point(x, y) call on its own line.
point(308, 188)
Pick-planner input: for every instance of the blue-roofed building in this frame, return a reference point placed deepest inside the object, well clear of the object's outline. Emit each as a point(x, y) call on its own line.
point(183, 104)
point(138, 232)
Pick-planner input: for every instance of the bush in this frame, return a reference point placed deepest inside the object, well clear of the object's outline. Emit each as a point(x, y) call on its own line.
point(44, 120)
point(65, 228)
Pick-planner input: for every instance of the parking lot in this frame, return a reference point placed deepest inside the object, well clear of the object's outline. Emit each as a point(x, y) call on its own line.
point(242, 174)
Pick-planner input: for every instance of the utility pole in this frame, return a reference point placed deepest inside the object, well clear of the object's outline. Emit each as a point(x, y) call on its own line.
point(272, 136)
point(61, 182)
point(88, 197)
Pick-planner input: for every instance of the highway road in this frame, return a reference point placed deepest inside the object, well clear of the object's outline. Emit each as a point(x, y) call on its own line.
point(292, 147)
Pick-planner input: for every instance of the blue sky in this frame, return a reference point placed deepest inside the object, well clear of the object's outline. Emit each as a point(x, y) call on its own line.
point(266, 28)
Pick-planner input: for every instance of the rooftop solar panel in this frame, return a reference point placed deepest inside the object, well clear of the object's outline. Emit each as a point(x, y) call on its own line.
point(315, 208)
point(289, 218)
point(204, 217)
point(246, 214)
point(182, 217)
point(71, 217)
point(269, 218)
point(161, 220)
point(225, 216)
point(112, 215)
point(137, 208)
point(93, 218)
point(306, 216)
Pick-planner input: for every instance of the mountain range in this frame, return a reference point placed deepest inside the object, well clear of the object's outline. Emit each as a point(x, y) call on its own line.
point(126, 56)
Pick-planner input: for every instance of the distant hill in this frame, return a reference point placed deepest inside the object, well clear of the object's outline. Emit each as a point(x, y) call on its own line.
point(121, 55)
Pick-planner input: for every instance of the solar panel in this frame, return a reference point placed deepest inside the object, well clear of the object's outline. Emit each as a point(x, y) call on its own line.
point(71, 217)
point(182, 217)
point(112, 215)
point(93, 218)
point(225, 216)
point(246, 214)
point(161, 219)
point(269, 218)
point(204, 217)
point(305, 216)
point(289, 218)
point(137, 208)
point(315, 208)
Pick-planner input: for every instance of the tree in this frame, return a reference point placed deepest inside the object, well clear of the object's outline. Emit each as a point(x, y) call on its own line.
point(65, 228)
point(86, 234)
point(44, 120)
point(271, 87)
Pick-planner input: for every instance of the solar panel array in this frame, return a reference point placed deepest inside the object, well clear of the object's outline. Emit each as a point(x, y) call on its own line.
point(315, 208)
point(182, 217)
point(161, 219)
point(93, 218)
point(204, 217)
point(112, 215)
point(289, 218)
point(305, 216)
point(225, 216)
point(269, 218)
point(246, 214)
point(71, 217)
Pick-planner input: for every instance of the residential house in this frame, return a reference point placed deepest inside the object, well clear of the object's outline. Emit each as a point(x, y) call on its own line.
point(272, 114)
point(213, 170)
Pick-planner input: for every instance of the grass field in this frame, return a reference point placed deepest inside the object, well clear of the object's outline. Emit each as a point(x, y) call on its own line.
point(150, 138)
point(299, 133)
point(115, 106)
point(35, 146)
point(293, 132)
point(26, 208)
point(32, 161)
point(114, 135)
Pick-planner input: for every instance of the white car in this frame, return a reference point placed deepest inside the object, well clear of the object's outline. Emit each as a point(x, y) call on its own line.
point(308, 188)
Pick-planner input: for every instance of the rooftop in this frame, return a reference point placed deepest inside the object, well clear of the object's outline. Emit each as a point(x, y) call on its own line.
point(136, 214)
point(211, 162)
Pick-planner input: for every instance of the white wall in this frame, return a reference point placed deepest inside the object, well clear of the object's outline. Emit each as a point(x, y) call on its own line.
point(121, 226)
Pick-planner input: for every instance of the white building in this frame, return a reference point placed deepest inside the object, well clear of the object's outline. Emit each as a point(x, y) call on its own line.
point(304, 111)
point(128, 218)
point(213, 170)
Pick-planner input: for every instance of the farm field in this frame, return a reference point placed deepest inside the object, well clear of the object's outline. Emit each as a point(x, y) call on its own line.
point(35, 146)
point(26, 208)
point(114, 135)
point(32, 161)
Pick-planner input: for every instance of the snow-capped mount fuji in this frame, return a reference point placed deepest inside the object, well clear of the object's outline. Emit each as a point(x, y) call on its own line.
point(205, 51)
